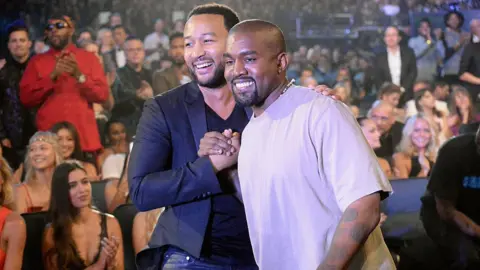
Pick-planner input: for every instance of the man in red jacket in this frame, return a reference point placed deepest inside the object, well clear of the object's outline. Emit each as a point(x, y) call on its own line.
point(63, 83)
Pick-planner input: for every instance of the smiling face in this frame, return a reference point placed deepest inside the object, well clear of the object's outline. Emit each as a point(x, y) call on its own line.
point(80, 189)
point(41, 155)
point(205, 39)
point(421, 134)
point(67, 142)
point(252, 68)
point(371, 133)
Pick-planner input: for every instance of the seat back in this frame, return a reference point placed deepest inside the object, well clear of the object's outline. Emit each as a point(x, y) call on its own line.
point(403, 209)
point(125, 214)
point(98, 195)
point(32, 255)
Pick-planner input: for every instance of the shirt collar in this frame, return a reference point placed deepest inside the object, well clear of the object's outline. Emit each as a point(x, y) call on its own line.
point(70, 48)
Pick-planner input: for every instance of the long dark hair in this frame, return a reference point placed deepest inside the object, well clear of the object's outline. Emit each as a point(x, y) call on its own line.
point(419, 95)
point(62, 214)
point(77, 151)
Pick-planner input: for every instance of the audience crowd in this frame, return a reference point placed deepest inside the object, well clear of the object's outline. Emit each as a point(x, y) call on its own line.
point(70, 102)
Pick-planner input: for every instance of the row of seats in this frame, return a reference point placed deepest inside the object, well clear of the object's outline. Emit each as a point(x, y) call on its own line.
point(402, 226)
point(36, 222)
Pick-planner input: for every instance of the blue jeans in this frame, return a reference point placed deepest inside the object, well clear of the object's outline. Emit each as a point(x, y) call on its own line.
point(177, 259)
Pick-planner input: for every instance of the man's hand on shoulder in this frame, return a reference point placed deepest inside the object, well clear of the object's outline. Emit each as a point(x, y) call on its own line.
point(326, 91)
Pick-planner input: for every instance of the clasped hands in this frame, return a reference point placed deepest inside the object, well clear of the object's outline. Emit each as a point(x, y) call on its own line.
point(221, 148)
point(65, 63)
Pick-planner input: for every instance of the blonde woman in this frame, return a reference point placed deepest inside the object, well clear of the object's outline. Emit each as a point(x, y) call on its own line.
point(12, 225)
point(43, 155)
point(417, 150)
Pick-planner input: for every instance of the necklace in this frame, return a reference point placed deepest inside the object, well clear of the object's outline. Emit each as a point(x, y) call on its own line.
point(288, 86)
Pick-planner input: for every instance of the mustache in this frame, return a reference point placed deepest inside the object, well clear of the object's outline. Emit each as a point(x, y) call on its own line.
point(242, 78)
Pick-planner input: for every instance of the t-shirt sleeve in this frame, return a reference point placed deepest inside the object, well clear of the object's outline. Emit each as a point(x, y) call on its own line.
point(445, 179)
point(345, 159)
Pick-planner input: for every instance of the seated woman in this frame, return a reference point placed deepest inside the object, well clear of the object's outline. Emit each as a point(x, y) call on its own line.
point(462, 109)
point(425, 103)
point(71, 148)
point(417, 150)
point(12, 227)
point(116, 139)
point(43, 155)
point(371, 133)
point(78, 236)
point(116, 190)
point(390, 93)
point(343, 94)
point(143, 226)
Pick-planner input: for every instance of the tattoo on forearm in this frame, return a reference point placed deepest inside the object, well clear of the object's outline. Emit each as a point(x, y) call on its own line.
point(350, 215)
point(359, 232)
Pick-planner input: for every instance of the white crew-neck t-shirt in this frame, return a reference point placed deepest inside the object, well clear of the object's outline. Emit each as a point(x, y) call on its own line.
point(301, 164)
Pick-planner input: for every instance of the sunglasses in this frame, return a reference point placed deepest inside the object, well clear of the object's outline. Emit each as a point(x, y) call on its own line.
point(57, 25)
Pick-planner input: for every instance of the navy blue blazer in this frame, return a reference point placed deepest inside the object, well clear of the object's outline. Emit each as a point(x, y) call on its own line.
point(165, 171)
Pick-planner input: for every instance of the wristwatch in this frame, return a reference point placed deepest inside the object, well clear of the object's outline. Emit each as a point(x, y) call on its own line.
point(81, 78)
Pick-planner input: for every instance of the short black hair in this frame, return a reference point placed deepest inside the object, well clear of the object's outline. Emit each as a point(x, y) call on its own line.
point(459, 15)
point(441, 84)
point(130, 38)
point(17, 26)
point(425, 20)
point(230, 17)
point(118, 27)
point(175, 35)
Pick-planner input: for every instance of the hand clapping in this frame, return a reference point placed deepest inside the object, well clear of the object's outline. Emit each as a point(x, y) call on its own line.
point(66, 63)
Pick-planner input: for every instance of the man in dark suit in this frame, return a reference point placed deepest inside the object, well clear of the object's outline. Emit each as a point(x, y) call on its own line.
point(164, 80)
point(204, 223)
point(397, 64)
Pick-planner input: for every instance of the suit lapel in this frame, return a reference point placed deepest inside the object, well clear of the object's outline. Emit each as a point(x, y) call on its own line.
point(195, 107)
point(387, 67)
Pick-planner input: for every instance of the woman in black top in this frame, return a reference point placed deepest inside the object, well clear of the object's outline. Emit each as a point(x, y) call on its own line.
point(78, 236)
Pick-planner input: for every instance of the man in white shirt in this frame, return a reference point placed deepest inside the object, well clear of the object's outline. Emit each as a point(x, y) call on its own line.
point(310, 183)
point(156, 42)
point(396, 65)
point(119, 36)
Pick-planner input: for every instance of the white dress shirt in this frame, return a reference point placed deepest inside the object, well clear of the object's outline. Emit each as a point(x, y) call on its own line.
point(395, 66)
point(120, 57)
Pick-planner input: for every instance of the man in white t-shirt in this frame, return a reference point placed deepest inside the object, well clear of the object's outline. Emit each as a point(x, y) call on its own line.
point(310, 183)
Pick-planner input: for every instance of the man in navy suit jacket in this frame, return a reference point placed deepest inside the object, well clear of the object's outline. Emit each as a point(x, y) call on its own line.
point(204, 223)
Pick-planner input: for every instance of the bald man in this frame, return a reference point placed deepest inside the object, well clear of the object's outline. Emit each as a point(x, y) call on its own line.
point(311, 186)
point(470, 62)
point(383, 114)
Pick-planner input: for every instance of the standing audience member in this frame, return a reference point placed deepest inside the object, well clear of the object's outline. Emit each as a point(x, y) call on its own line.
point(132, 86)
point(12, 226)
point(156, 43)
point(452, 42)
point(17, 123)
point(71, 148)
point(105, 41)
point(426, 51)
point(44, 154)
point(118, 54)
point(451, 206)
point(371, 133)
point(441, 91)
point(164, 80)
point(462, 108)
point(78, 236)
point(64, 83)
point(470, 62)
point(396, 64)
point(417, 150)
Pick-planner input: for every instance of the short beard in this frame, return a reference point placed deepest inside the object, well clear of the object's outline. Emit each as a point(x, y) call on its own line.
point(63, 43)
point(217, 81)
point(252, 100)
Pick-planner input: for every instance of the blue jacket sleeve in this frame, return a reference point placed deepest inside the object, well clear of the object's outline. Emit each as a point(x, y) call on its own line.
point(152, 181)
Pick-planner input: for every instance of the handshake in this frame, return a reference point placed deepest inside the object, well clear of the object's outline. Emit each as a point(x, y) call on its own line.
point(221, 148)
